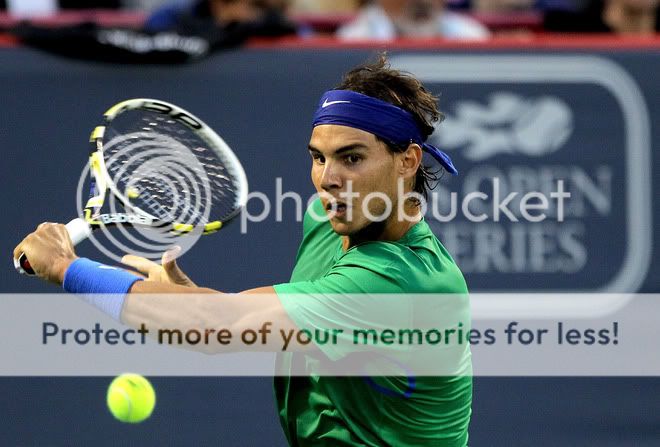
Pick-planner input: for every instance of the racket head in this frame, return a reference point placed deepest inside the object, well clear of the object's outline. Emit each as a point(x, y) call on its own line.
point(166, 167)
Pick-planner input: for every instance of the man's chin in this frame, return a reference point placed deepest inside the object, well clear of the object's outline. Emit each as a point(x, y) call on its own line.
point(341, 228)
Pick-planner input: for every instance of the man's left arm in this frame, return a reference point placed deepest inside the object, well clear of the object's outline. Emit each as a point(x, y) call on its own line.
point(159, 305)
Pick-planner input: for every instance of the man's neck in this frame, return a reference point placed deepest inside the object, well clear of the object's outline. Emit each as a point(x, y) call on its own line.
point(391, 229)
point(626, 20)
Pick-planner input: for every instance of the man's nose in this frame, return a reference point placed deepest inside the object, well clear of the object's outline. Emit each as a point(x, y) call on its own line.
point(331, 177)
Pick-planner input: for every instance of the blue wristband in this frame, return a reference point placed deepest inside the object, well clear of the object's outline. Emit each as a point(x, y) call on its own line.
point(103, 286)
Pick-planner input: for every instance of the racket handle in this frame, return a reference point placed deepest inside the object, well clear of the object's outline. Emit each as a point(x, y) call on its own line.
point(78, 230)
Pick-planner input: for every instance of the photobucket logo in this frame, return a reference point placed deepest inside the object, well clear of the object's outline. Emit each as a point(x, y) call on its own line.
point(376, 206)
point(150, 181)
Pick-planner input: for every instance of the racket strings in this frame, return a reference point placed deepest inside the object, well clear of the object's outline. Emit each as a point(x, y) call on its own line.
point(167, 170)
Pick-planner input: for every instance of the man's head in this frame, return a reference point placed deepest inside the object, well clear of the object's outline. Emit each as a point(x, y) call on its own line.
point(350, 154)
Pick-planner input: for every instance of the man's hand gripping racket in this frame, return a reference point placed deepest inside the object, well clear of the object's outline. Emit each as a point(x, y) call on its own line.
point(167, 169)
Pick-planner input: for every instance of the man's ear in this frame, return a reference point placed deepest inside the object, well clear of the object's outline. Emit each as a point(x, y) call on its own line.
point(410, 160)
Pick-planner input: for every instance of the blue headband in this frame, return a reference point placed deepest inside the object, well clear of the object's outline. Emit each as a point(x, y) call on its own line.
point(385, 120)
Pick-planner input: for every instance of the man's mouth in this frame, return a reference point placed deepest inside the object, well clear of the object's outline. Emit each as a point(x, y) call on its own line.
point(337, 208)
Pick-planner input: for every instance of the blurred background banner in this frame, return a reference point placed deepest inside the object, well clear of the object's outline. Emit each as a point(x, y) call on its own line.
point(525, 122)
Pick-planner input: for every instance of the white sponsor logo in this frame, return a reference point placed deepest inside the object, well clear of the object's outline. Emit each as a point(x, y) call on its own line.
point(552, 247)
point(508, 124)
point(125, 218)
point(327, 103)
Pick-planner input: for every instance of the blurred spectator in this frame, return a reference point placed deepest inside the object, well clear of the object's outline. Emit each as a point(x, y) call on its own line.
point(566, 5)
point(492, 6)
point(89, 4)
point(143, 5)
point(29, 7)
point(324, 6)
point(47, 7)
point(181, 34)
point(605, 16)
point(262, 17)
point(488, 6)
point(390, 19)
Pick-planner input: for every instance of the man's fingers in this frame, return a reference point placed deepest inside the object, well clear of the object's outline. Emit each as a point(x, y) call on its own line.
point(61, 228)
point(172, 269)
point(139, 263)
point(168, 272)
point(44, 229)
point(50, 227)
point(171, 255)
point(18, 249)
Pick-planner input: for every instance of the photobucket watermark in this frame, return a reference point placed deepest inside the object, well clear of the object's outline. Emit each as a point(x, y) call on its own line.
point(349, 205)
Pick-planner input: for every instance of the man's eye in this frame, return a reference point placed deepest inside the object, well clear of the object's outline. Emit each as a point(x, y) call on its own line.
point(318, 158)
point(352, 159)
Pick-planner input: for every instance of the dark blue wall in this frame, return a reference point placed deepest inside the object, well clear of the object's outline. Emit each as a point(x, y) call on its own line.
point(261, 102)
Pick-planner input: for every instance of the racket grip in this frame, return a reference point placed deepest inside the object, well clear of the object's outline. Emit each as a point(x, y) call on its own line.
point(78, 230)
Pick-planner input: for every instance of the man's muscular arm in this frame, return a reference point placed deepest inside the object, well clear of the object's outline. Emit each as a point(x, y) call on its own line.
point(159, 305)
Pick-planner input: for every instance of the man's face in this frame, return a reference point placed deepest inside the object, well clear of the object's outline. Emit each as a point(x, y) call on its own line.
point(345, 159)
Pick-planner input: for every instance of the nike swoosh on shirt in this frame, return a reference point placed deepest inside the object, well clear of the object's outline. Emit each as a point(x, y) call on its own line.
point(327, 103)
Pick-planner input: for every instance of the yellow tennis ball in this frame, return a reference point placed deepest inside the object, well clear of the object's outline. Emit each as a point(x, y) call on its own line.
point(131, 398)
point(132, 193)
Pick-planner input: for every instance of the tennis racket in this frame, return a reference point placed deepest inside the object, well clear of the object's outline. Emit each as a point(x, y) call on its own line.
point(165, 168)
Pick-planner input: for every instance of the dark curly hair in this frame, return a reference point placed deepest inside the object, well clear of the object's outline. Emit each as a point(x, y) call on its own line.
point(378, 80)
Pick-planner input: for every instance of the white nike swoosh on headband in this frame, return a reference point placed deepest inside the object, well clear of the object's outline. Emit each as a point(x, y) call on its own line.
point(327, 103)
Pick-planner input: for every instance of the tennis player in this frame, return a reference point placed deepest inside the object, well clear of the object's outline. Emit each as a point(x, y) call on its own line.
point(368, 137)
